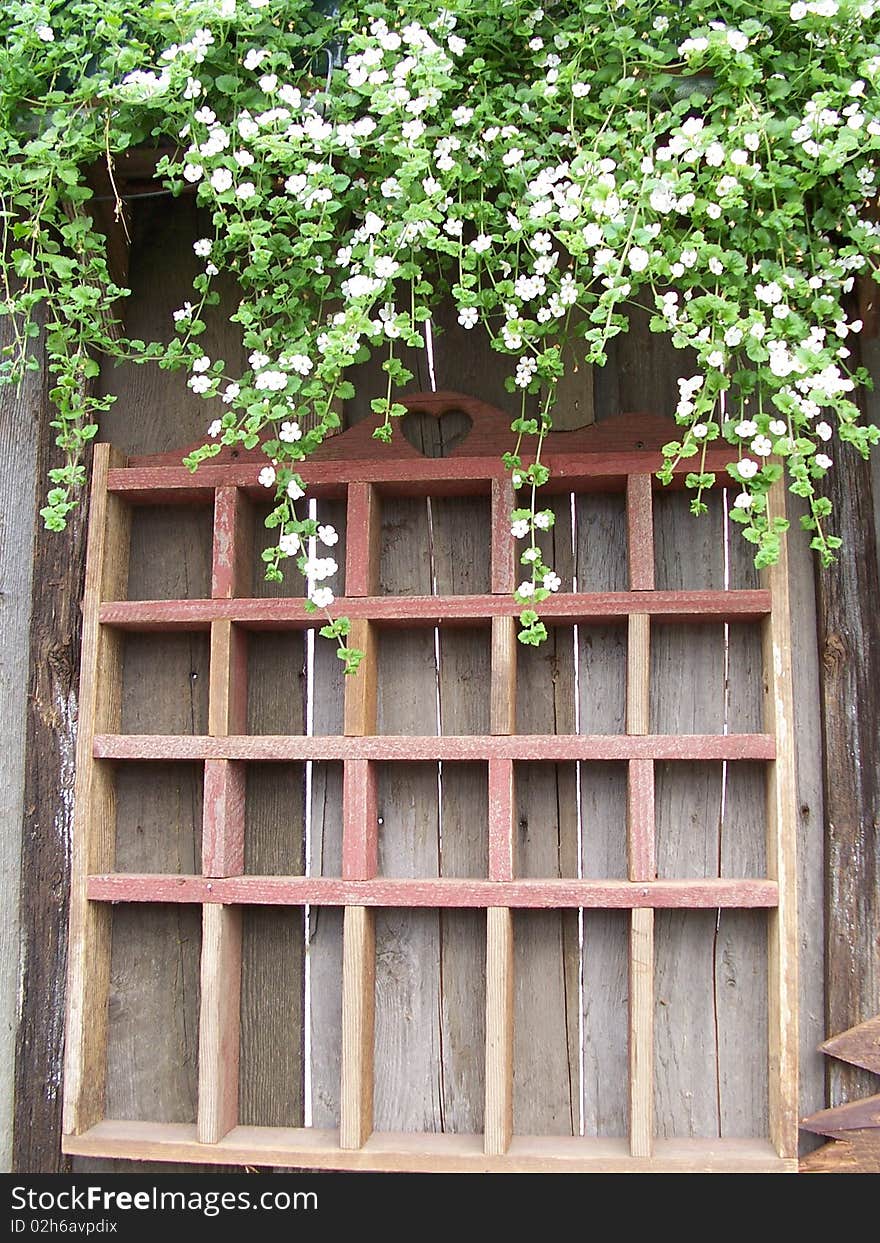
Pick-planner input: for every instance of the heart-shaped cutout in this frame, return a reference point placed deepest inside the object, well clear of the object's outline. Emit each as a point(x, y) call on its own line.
point(435, 435)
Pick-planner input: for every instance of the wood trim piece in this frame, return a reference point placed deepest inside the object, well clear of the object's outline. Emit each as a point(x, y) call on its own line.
point(361, 694)
point(498, 1120)
point(425, 1153)
point(782, 825)
point(502, 707)
point(502, 819)
point(640, 532)
point(94, 822)
point(363, 526)
point(289, 613)
point(219, 1022)
point(223, 818)
point(638, 675)
point(393, 747)
point(227, 693)
point(444, 891)
point(231, 573)
point(640, 830)
point(503, 545)
point(360, 821)
point(358, 1017)
point(641, 1033)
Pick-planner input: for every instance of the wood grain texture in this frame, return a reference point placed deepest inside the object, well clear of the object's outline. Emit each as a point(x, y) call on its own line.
point(640, 532)
point(641, 1033)
point(219, 1022)
point(428, 610)
point(361, 689)
point(454, 1154)
point(231, 571)
point(363, 525)
point(503, 546)
point(498, 1127)
point(223, 824)
point(640, 832)
point(20, 411)
point(638, 675)
point(228, 692)
point(360, 828)
point(782, 856)
point(502, 820)
point(422, 748)
point(860, 1046)
point(94, 818)
point(446, 891)
point(854, 1115)
point(502, 709)
point(358, 1005)
point(853, 1152)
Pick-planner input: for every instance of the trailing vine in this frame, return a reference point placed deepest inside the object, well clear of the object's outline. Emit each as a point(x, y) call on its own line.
point(548, 167)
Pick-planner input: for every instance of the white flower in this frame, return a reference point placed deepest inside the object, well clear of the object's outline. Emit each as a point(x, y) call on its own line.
point(544, 519)
point(512, 157)
point(468, 316)
point(192, 172)
point(700, 431)
point(290, 432)
point(746, 429)
point(246, 190)
point(638, 258)
point(200, 383)
point(254, 57)
point(328, 535)
point(481, 244)
point(290, 544)
point(268, 82)
point(295, 490)
point(778, 427)
point(823, 431)
point(761, 446)
point(205, 116)
point(322, 597)
point(271, 381)
point(797, 12)
point(201, 364)
point(715, 359)
point(456, 45)
point(231, 392)
point(221, 180)
point(462, 115)
point(525, 589)
point(320, 568)
point(737, 40)
point(46, 33)
point(823, 461)
point(244, 159)
point(203, 247)
point(215, 429)
point(580, 89)
point(747, 468)
point(743, 501)
point(520, 528)
point(551, 581)
point(258, 360)
point(267, 476)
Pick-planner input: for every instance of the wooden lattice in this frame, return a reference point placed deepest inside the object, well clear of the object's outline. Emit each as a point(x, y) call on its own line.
point(614, 457)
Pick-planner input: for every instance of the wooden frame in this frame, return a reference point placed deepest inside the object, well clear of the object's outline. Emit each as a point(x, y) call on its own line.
point(618, 456)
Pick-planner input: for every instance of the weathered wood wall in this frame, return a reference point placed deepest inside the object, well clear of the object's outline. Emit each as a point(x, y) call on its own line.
point(571, 1048)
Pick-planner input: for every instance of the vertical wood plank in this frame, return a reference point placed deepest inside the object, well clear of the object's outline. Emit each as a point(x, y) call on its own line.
point(223, 828)
point(360, 833)
point(94, 811)
point(363, 530)
point(502, 819)
point(361, 688)
point(640, 532)
point(503, 547)
point(638, 673)
point(219, 1024)
point(640, 820)
point(641, 1033)
point(498, 1124)
point(233, 536)
point(781, 858)
point(358, 1003)
point(227, 702)
point(503, 689)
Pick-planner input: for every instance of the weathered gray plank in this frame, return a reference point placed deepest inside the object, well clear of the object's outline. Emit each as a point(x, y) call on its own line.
point(19, 425)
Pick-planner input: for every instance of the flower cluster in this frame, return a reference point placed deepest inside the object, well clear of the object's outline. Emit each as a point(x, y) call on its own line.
point(549, 168)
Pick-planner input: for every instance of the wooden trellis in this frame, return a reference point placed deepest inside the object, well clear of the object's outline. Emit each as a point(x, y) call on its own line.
point(616, 457)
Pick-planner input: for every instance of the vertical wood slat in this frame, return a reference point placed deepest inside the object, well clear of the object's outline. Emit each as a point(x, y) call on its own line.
point(502, 818)
point(358, 1026)
point(360, 826)
point(503, 547)
point(640, 532)
point(361, 689)
point(231, 573)
point(94, 822)
point(641, 1033)
point(640, 830)
point(781, 852)
point(502, 709)
point(223, 828)
point(638, 671)
point(498, 1118)
point(219, 1022)
point(363, 526)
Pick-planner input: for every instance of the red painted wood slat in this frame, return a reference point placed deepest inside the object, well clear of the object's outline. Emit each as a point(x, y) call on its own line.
point(640, 820)
point(640, 532)
point(747, 893)
point(290, 613)
point(223, 819)
point(550, 747)
point(360, 831)
point(503, 561)
point(502, 812)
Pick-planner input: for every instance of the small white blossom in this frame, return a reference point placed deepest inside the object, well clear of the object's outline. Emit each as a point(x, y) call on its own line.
point(215, 429)
point(328, 535)
point(267, 476)
point(46, 33)
point(520, 528)
point(295, 491)
point(823, 461)
point(230, 393)
point(544, 519)
point(322, 597)
point(748, 469)
point(823, 431)
point(551, 581)
point(289, 544)
point(221, 180)
point(743, 501)
point(290, 432)
point(468, 316)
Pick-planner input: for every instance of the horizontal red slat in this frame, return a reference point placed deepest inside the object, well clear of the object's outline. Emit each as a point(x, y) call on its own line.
point(450, 476)
point(443, 892)
point(552, 747)
point(287, 612)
